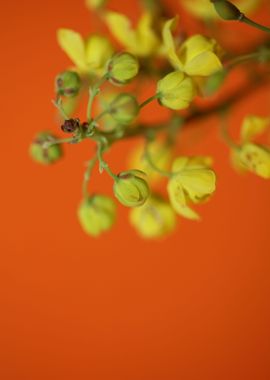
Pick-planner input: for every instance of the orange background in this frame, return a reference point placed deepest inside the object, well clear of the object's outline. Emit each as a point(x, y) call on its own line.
point(193, 306)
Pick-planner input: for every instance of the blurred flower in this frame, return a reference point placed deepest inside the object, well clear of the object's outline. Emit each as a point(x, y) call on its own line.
point(254, 158)
point(95, 4)
point(89, 55)
point(141, 41)
point(204, 8)
point(249, 156)
point(192, 182)
point(160, 153)
point(42, 151)
point(131, 188)
point(154, 219)
point(253, 126)
point(175, 91)
point(97, 214)
point(124, 108)
point(68, 83)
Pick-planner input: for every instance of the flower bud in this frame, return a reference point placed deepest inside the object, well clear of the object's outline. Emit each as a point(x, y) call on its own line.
point(42, 152)
point(131, 188)
point(68, 84)
point(70, 125)
point(175, 91)
point(226, 10)
point(124, 108)
point(97, 214)
point(122, 68)
point(154, 219)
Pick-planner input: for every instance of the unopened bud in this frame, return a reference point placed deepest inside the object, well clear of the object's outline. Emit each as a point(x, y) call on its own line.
point(122, 68)
point(226, 10)
point(68, 84)
point(175, 91)
point(124, 108)
point(131, 188)
point(97, 214)
point(43, 151)
point(70, 125)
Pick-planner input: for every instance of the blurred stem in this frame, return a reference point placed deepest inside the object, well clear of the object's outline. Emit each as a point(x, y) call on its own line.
point(224, 129)
point(103, 164)
point(58, 104)
point(147, 101)
point(93, 92)
point(87, 175)
point(254, 24)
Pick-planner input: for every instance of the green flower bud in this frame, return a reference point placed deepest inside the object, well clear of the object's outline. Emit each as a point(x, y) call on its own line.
point(122, 68)
point(97, 214)
point(68, 84)
point(124, 108)
point(42, 152)
point(175, 91)
point(131, 188)
point(226, 10)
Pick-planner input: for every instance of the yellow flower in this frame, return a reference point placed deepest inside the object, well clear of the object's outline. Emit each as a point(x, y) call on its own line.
point(154, 219)
point(90, 55)
point(249, 156)
point(159, 152)
point(253, 126)
point(196, 57)
point(255, 158)
point(97, 214)
point(141, 41)
point(175, 91)
point(192, 182)
point(205, 10)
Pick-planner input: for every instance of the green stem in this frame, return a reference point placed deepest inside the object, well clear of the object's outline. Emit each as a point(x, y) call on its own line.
point(87, 175)
point(93, 92)
point(147, 101)
point(254, 24)
point(58, 104)
point(224, 130)
point(103, 164)
point(60, 141)
point(243, 58)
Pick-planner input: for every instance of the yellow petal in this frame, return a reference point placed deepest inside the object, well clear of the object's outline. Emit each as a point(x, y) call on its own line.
point(198, 183)
point(120, 26)
point(253, 126)
point(195, 162)
point(204, 64)
point(147, 41)
point(73, 45)
point(98, 51)
point(179, 201)
point(169, 43)
point(256, 159)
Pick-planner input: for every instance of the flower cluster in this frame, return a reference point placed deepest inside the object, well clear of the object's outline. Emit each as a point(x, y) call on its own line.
point(180, 69)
